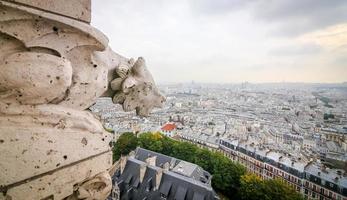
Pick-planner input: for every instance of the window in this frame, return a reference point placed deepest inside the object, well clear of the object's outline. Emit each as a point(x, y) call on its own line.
point(323, 182)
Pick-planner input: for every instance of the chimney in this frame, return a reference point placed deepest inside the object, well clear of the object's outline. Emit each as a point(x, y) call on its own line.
point(123, 162)
point(280, 158)
point(151, 160)
point(324, 169)
point(166, 166)
point(143, 169)
point(158, 177)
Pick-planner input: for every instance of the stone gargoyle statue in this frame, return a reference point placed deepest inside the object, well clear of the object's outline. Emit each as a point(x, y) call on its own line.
point(53, 66)
point(135, 88)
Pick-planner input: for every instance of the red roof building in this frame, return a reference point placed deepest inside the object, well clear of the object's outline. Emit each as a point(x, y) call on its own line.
point(169, 127)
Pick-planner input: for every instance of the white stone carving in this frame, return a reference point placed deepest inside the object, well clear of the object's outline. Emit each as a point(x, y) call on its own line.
point(135, 88)
point(53, 66)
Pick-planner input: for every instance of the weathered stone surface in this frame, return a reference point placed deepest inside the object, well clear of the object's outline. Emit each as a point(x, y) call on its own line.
point(77, 9)
point(42, 138)
point(23, 80)
point(61, 183)
point(84, 48)
point(52, 68)
point(97, 188)
point(137, 90)
point(31, 25)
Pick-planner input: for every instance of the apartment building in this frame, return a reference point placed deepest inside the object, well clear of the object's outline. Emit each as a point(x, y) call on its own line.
point(313, 181)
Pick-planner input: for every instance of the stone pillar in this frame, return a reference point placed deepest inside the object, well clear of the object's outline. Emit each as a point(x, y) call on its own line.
point(53, 66)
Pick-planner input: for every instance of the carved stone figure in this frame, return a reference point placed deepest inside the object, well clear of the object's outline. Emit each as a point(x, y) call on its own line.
point(135, 89)
point(53, 66)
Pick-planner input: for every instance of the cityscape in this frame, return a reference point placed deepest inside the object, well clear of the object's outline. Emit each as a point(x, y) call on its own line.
point(293, 131)
point(173, 100)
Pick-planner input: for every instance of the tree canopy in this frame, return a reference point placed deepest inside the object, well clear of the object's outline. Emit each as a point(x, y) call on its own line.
point(228, 178)
point(253, 188)
point(126, 143)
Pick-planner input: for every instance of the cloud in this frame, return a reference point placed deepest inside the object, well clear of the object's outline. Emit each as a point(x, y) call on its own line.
point(296, 50)
point(289, 17)
point(333, 38)
point(228, 40)
point(217, 7)
point(298, 17)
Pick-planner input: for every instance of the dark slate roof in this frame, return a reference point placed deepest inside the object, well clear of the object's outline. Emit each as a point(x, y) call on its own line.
point(172, 185)
point(143, 154)
point(179, 166)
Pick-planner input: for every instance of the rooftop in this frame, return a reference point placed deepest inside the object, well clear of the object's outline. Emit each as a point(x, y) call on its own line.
point(168, 178)
point(169, 127)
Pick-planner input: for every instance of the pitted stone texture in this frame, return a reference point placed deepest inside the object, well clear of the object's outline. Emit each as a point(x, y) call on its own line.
point(97, 188)
point(60, 184)
point(86, 79)
point(77, 9)
point(137, 89)
point(93, 64)
point(131, 83)
point(36, 28)
point(40, 139)
point(53, 67)
point(28, 82)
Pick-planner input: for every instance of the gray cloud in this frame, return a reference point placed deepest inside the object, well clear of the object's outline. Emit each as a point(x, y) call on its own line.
point(296, 50)
point(218, 7)
point(297, 17)
point(290, 17)
point(223, 40)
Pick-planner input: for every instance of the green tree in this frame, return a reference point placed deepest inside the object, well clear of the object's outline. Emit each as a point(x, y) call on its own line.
point(151, 141)
point(276, 189)
point(184, 151)
point(126, 143)
point(251, 187)
point(203, 158)
point(226, 174)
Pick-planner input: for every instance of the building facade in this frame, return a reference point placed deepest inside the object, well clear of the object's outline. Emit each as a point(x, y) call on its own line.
point(312, 181)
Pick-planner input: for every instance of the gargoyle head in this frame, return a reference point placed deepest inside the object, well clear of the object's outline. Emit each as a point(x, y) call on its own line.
point(135, 88)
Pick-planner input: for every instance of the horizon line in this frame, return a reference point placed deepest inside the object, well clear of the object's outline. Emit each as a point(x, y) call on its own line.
point(247, 82)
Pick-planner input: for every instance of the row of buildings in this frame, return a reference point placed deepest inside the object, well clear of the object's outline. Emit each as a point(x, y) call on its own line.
point(313, 180)
point(305, 122)
point(310, 179)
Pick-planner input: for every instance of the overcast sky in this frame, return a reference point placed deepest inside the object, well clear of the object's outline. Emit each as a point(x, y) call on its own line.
point(230, 40)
